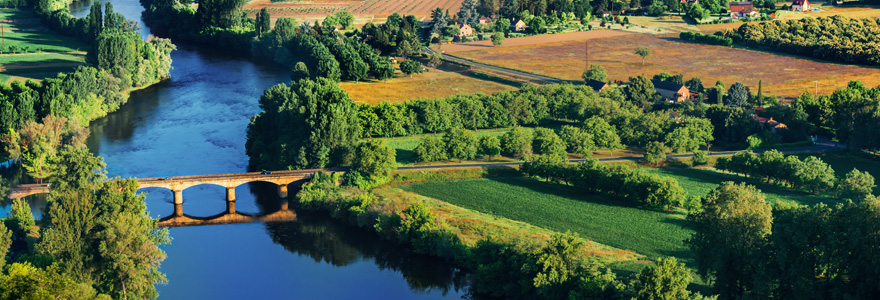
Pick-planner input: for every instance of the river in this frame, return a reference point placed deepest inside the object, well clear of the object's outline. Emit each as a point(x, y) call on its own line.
point(194, 123)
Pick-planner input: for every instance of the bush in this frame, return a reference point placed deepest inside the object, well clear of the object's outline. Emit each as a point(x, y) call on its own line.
point(710, 39)
point(701, 158)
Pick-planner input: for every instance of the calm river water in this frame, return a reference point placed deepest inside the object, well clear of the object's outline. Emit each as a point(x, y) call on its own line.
point(195, 124)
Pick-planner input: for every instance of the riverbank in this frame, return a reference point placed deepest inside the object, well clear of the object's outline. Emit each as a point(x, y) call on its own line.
point(503, 254)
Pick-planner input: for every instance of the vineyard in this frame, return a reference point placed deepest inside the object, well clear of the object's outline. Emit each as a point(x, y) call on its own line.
point(282, 8)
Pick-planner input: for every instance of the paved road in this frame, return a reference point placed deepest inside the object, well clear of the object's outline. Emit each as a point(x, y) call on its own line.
point(503, 70)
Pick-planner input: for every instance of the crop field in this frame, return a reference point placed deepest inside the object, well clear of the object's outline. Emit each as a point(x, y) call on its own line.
point(432, 84)
point(378, 8)
point(784, 76)
point(404, 7)
point(609, 222)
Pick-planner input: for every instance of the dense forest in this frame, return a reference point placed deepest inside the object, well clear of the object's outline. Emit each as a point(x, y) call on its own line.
point(835, 38)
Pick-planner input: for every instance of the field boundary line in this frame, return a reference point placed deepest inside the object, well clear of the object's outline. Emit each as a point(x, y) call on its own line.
point(469, 62)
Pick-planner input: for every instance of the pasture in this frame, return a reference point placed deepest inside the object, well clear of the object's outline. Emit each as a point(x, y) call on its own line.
point(597, 218)
point(784, 76)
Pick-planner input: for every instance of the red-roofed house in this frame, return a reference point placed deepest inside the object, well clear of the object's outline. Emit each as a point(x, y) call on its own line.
point(485, 20)
point(742, 9)
point(771, 124)
point(800, 5)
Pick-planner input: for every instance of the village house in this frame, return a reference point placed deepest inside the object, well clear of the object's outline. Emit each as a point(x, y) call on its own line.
point(672, 91)
point(517, 25)
point(485, 20)
point(800, 5)
point(465, 30)
point(597, 86)
point(769, 123)
point(742, 10)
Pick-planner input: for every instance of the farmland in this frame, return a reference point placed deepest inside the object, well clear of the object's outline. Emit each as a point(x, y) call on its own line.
point(371, 8)
point(432, 84)
point(782, 75)
point(614, 223)
point(47, 53)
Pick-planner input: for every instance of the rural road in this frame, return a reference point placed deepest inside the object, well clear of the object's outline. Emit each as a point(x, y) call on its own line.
point(503, 70)
point(821, 145)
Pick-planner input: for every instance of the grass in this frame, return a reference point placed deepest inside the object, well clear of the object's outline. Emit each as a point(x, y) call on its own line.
point(782, 75)
point(432, 84)
point(27, 31)
point(699, 182)
point(606, 221)
point(59, 53)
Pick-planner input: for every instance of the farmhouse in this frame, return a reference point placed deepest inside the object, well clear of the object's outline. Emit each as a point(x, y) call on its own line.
point(771, 124)
point(742, 9)
point(672, 91)
point(517, 25)
point(800, 5)
point(465, 30)
point(485, 20)
point(597, 86)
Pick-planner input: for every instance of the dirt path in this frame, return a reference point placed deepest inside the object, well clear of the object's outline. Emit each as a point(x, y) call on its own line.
point(531, 40)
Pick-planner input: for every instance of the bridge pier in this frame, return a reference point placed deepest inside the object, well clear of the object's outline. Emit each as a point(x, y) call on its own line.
point(282, 191)
point(178, 196)
point(178, 209)
point(230, 200)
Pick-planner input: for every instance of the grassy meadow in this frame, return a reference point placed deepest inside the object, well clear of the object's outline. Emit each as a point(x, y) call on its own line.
point(48, 53)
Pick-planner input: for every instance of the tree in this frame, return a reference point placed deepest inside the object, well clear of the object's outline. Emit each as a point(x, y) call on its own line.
point(697, 12)
point(700, 158)
point(497, 38)
point(300, 71)
point(5, 243)
point(641, 92)
point(577, 140)
point(263, 21)
point(345, 19)
point(604, 134)
point(737, 95)
point(461, 144)
point(655, 153)
point(734, 221)
point(657, 8)
point(374, 159)
point(490, 146)
point(517, 142)
point(557, 264)
point(20, 218)
point(37, 144)
point(695, 85)
point(855, 185)
point(430, 149)
point(468, 13)
point(596, 72)
point(666, 281)
point(502, 25)
point(643, 52)
point(489, 7)
point(814, 175)
point(410, 67)
point(510, 8)
point(537, 25)
point(547, 142)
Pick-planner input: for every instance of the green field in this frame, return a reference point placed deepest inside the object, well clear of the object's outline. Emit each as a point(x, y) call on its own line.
point(699, 182)
point(58, 53)
point(27, 31)
point(560, 208)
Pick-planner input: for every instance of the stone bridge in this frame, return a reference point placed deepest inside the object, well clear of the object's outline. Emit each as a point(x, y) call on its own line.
point(230, 181)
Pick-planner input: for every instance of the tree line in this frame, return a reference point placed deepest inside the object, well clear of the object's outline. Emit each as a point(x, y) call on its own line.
point(749, 249)
point(616, 180)
point(811, 174)
point(836, 38)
